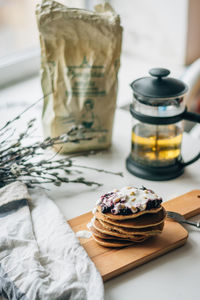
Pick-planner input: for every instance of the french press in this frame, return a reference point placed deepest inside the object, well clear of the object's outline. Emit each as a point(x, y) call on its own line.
point(158, 107)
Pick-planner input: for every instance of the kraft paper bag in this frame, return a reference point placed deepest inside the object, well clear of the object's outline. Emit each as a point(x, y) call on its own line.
point(80, 59)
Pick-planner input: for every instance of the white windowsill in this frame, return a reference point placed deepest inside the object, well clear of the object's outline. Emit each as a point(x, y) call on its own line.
point(19, 66)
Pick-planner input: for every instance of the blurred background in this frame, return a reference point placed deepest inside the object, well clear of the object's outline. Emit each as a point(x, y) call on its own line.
point(155, 30)
point(157, 33)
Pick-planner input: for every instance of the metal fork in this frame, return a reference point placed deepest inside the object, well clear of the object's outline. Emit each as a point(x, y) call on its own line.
point(180, 218)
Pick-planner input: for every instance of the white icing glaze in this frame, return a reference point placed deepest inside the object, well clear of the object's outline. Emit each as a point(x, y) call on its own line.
point(94, 210)
point(131, 197)
point(89, 225)
point(83, 234)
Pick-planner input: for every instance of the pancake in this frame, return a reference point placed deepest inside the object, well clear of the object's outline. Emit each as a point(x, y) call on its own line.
point(101, 235)
point(111, 243)
point(98, 226)
point(127, 216)
point(115, 243)
point(140, 231)
point(143, 221)
point(131, 216)
point(114, 233)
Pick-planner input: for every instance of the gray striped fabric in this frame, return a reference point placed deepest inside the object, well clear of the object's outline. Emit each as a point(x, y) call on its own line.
point(40, 257)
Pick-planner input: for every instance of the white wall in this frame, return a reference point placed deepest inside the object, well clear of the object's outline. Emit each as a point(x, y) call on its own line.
point(154, 30)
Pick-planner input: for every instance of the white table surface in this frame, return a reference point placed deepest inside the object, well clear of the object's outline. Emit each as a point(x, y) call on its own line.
point(172, 276)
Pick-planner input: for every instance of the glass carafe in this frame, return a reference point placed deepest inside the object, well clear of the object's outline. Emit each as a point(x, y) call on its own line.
point(156, 145)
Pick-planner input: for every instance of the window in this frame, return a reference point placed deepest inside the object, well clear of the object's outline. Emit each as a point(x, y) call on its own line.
point(155, 34)
point(20, 51)
point(18, 30)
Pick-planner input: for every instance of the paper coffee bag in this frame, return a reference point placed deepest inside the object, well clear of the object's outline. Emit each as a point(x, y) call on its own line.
point(80, 58)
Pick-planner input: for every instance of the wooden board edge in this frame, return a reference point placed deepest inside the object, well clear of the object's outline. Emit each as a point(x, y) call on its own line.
point(181, 204)
point(142, 261)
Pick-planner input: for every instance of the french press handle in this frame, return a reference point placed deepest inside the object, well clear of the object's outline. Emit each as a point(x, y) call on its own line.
point(190, 116)
point(194, 117)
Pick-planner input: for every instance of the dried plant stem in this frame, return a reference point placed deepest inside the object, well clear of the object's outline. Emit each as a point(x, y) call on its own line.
point(98, 170)
point(21, 162)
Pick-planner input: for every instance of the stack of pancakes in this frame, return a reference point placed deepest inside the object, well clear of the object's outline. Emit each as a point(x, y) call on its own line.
point(117, 230)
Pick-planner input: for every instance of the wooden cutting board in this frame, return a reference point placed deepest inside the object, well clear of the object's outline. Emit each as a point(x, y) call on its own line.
point(112, 262)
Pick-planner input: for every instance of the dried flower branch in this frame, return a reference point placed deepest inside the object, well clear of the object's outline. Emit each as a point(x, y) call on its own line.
point(21, 162)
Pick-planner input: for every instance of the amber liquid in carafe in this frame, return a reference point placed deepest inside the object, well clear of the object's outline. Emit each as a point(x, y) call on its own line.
point(156, 145)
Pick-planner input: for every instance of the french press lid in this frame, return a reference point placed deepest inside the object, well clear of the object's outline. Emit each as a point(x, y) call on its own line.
point(159, 85)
